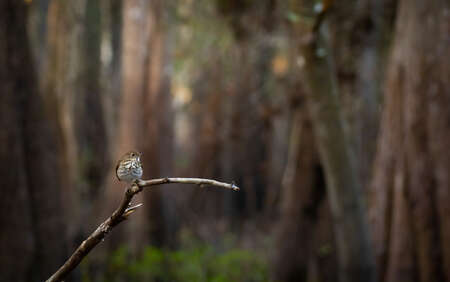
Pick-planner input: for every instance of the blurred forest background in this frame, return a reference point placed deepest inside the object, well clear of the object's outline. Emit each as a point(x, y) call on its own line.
point(333, 118)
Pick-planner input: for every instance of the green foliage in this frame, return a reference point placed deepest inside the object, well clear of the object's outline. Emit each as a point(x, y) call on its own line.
point(236, 264)
point(192, 262)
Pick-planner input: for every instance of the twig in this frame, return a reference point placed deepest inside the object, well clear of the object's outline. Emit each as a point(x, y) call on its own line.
point(198, 181)
point(121, 214)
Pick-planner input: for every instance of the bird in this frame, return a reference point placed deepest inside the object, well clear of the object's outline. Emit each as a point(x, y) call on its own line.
point(129, 167)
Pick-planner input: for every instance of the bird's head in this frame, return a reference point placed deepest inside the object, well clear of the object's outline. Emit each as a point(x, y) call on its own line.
point(132, 155)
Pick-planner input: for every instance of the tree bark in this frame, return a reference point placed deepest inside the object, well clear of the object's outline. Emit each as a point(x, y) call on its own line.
point(360, 35)
point(73, 93)
point(417, 97)
point(303, 195)
point(145, 119)
point(159, 125)
point(355, 256)
point(89, 123)
point(15, 217)
point(31, 208)
point(131, 123)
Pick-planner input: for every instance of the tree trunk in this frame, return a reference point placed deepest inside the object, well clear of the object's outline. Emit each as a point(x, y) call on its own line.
point(344, 190)
point(15, 217)
point(111, 54)
point(73, 92)
point(31, 210)
point(359, 37)
point(145, 119)
point(131, 112)
point(159, 126)
point(413, 146)
point(89, 124)
point(303, 195)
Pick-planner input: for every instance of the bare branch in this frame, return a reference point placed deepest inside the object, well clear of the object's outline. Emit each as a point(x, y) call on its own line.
point(198, 181)
point(121, 214)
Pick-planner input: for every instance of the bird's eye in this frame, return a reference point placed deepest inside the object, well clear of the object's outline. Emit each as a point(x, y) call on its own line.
point(132, 154)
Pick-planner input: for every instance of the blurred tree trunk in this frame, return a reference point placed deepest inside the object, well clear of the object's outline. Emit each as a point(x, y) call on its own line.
point(246, 112)
point(89, 124)
point(245, 132)
point(249, 126)
point(111, 61)
point(206, 119)
point(37, 30)
point(359, 37)
point(300, 236)
point(351, 227)
point(31, 218)
point(410, 189)
point(159, 125)
point(16, 211)
point(131, 112)
point(334, 145)
point(232, 150)
point(57, 92)
point(145, 119)
point(72, 86)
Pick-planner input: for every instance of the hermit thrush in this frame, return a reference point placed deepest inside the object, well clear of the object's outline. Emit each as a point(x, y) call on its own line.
point(129, 167)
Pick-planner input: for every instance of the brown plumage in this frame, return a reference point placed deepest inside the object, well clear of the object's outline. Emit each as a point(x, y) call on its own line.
point(129, 167)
